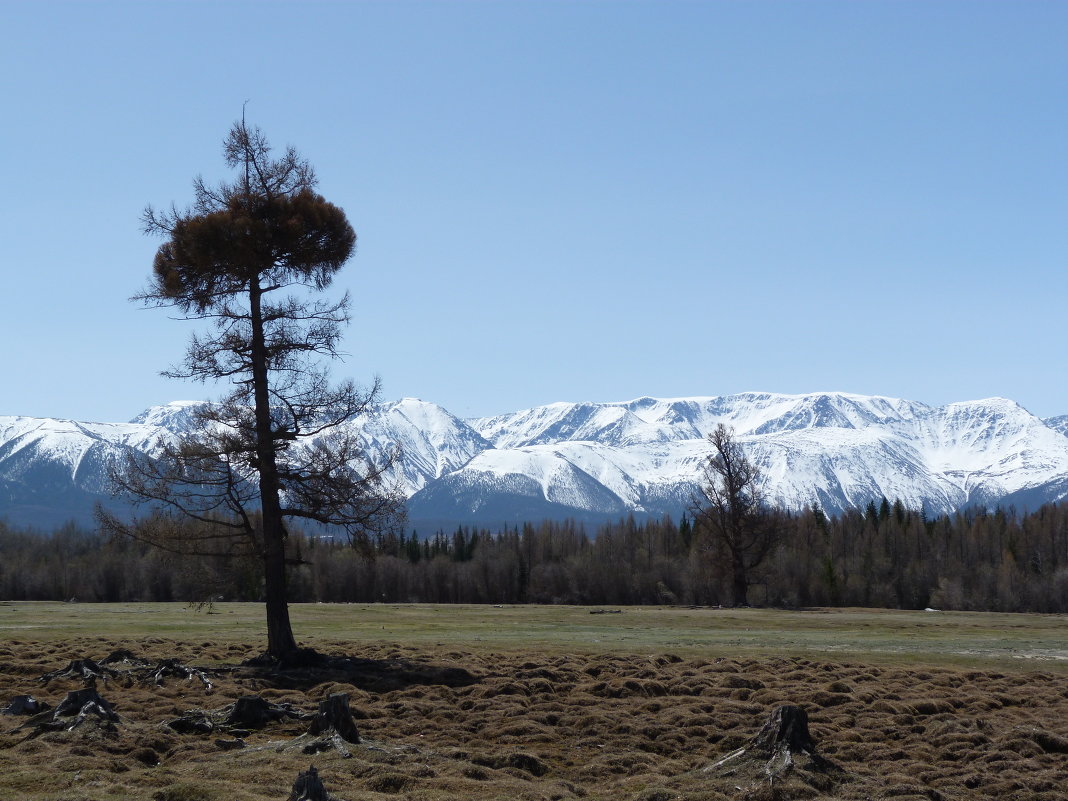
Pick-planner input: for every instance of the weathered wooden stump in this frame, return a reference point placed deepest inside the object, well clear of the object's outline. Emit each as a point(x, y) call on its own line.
point(786, 728)
point(783, 747)
point(79, 707)
point(86, 701)
point(333, 727)
point(24, 705)
point(335, 714)
point(254, 712)
point(246, 713)
point(192, 722)
point(85, 669)
point(123, 655)
point(172, 667)
point(309, 787)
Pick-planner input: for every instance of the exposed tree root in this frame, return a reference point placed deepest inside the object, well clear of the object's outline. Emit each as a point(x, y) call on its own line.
point(78, 708)
point(247, 712)
point(84, 669)
point(135, 668)
point(172, 667)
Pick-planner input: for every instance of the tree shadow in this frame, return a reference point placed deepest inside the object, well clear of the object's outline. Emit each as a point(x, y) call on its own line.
point(307, 668)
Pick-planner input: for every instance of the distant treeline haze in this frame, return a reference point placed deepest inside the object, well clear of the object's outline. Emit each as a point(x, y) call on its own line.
point(885, 556)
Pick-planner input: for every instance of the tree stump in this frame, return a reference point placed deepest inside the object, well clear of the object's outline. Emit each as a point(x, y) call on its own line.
point(333, 727)
point(84, 702)
point(123, 655)
point(192, 722)
point(254, 712)
point(247, 712)
point(783, 747)
point(309, 787)
point(85, 705)
point(85, 669)
point(24, 705)
point(786, 728)
point(335, 714)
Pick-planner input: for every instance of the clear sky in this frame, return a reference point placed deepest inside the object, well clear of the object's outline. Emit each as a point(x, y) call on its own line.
point(563, 200)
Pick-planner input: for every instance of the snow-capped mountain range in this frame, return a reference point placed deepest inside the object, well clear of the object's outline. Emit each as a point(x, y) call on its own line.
point(605, 460)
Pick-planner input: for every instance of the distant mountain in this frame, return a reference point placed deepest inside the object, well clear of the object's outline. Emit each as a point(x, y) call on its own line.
point(597, 461)
point(1058, 423)
point(837, 449)
point(52, 471)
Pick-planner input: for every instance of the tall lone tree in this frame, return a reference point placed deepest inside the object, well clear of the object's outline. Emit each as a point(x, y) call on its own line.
point(729, 512)
point(250, 258)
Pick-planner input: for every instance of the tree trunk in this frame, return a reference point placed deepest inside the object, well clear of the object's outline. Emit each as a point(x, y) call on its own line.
point(739, 583)
point(280, 641)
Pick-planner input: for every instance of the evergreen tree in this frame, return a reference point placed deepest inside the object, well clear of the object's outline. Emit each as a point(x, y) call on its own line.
point(250, 257)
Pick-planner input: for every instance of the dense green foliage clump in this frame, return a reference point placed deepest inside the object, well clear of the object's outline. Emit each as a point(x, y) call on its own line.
point(884, 556)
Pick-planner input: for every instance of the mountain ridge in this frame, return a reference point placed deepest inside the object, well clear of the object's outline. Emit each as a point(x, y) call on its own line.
point(598, 460)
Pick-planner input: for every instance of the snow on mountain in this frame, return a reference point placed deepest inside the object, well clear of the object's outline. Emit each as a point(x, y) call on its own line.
point(825, 410)
point(66, 447)
point(643, 456)
point(1059, 423)
point(837, 449)
point(647, 420)
point(176, 416)
point(560, 422)
point(52, 471)
point(840, 468)
point(991, 448)
point(432, 442)
point(527, 476)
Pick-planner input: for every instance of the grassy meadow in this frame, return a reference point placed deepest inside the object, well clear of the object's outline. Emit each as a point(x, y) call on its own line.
point(562, 703)
point(1011, 641)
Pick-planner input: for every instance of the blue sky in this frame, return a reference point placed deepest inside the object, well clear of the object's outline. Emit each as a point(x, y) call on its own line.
point(563, 200)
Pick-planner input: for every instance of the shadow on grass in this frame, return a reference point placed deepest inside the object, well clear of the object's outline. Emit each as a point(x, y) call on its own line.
point(308, 668)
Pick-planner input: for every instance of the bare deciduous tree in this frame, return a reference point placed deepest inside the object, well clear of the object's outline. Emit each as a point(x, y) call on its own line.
point(729, 511)
point(251, 258)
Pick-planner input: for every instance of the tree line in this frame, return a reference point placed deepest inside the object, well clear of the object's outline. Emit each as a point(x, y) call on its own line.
point(882, 556)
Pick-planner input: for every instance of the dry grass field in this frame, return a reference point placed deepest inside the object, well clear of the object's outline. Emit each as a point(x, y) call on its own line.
point(549, 703)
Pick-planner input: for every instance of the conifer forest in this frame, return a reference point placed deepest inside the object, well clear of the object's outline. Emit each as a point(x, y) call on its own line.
point(882, 556)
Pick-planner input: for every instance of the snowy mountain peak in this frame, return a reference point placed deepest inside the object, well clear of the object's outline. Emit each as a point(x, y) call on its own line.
point(646, 420)
point(174, 416)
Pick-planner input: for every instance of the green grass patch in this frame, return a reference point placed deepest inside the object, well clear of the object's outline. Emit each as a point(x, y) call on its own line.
point(1020, 641)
